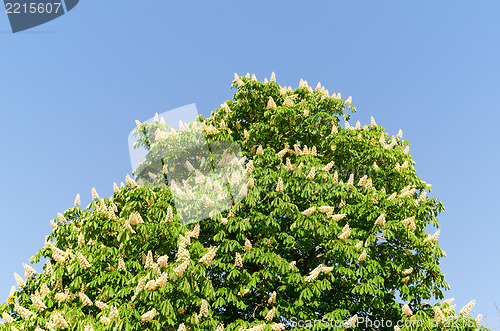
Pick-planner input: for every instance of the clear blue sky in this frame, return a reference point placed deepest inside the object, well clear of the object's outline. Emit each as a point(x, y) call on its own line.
point(71, 89)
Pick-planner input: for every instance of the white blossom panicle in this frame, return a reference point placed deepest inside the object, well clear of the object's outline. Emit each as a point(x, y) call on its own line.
point(151, 285)
point(292, 264)
point(380, 220)
point(372, 121)
point(130, 181)
point(349, 100)
point(410, 223)
point(406, 310)
point(407, 271)
point(260, 150)
point(105, 320)
point(162, 280)
point(259, 327)
point(203, 308)
point(84, 263)
point(400, 134)
point(181, 268)
point(162, 260)
point(314, 274)
point(279, 186)
point(114, 313)
point(334, 129)
point(449, 301)
point(433, 237)
point(254, 78)
point(440, 317)
point(272, 298)
point(7, 318)
point(238, 261)
point(95, 196)
point(311, 174)
point(423, 197)
point(85, 299)
point(101, 305)
point(359, 245)
point(326, 209)
point(135, 218)
point(77, 200)
point(467, 308)
point(450, 309)
point(326, 270)
point(271, 104)
point(149, 315)
point(363, 256)
point(273, 77)
point(248, 245)
point(37, 302)
point(59, 320)
point(25, 313)
point(392, 197)
point(19, 281)
point(351, 322)
point(28, 271)
point(243, 292)
point(270, 314)
point(288, 102)
point(309, 211)
point(328, 166)
point(44, 290)
point(346, 231)
point(48, 268)
point(350, 181)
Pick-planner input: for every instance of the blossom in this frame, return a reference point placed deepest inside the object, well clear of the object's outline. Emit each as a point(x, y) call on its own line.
point(351, 322)
point(372, 121)
point(204, 308)
point(95, 196)
point(25, 313)
point(423, 197)
point(248, 245)
point(84, 263)
point(288, 102)
point(406, 310)
point(270, 103)
point(350, 181)
point(149, 315)
point(314, 274)
point(434, 237)
point(28, 271)
point(238, 262)
point(338, 217)
point(439, 314)
point(59, 320)
point(311, 174)
point(20, 282)
point(400, 134)
point(37, 302)
point(407, 271)
point(273, 77)
point(334, 129)
point(85, 299)
point(362, 257)
point(359, 245)
point(467, 308)
point(101, 305)
point(346, 231)
point(130, 181)
point(272, 298)
point(270, 314)
point(179, 270)
point(449, 301)
point(410, 223)
point(309, 211)
point(349, 100)
point(380, 220)
point(7, 318)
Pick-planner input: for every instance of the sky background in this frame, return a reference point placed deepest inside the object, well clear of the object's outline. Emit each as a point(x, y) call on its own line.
point(71, 89)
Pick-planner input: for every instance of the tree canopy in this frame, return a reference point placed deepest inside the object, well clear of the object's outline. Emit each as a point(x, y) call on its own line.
point(268, 215)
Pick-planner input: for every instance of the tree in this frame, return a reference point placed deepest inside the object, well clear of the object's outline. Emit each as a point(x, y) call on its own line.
point(305, 221)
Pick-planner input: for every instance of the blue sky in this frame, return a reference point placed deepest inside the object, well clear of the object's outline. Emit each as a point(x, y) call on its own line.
point(71, 89)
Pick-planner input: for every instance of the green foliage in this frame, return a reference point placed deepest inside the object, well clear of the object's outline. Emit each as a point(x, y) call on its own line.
point(306, 244)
